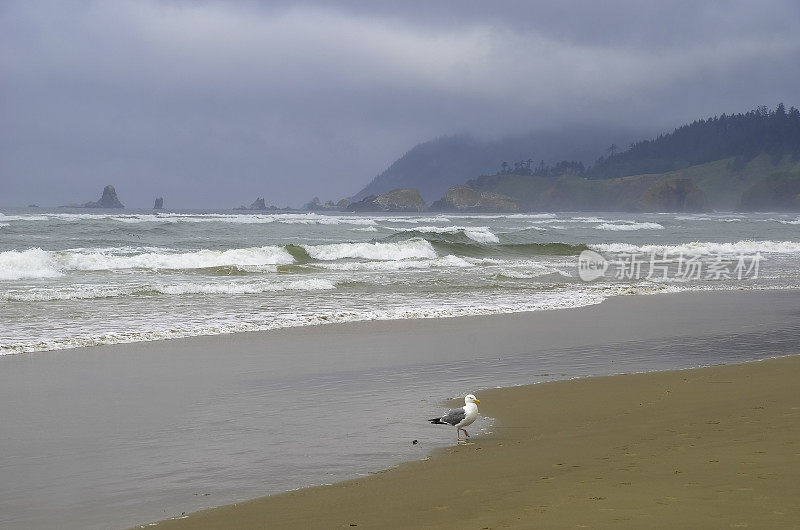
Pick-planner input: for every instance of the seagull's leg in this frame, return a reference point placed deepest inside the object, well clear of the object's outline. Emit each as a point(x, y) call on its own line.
point(465, 432)
point(458, 434)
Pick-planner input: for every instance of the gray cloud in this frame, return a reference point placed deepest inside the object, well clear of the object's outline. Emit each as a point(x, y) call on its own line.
point(213, 103)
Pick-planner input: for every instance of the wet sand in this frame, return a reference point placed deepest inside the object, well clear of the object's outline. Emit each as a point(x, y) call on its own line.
point(126, 434)
point(715, 447)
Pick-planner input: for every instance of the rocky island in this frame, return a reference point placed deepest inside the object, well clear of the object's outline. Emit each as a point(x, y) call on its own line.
point(259, 204)
point(108, 200)
point(399, 200)
point(316, 205)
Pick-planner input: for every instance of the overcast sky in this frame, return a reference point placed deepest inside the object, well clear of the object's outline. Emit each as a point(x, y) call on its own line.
point(212, 103)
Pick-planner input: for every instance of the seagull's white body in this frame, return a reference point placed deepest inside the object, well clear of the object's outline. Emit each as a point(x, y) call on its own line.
point(461, 417)
point(471, 410)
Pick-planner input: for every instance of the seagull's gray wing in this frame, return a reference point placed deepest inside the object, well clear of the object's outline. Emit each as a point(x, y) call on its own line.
point(455, 416)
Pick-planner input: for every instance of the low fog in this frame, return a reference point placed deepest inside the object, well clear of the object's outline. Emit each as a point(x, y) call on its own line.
point(213, 103)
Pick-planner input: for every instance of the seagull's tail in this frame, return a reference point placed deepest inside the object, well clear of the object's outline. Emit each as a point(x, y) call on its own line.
point(437, 421)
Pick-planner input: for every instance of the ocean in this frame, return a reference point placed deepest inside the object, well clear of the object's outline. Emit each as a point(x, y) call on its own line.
point(106, 423)
point(71, 278)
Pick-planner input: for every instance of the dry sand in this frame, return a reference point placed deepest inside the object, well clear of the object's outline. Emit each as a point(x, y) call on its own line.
point(708, 448)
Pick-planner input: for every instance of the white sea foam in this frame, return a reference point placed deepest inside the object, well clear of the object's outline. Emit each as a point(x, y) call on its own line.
point(587, 219)
point(200, 259)
point(28, 264)
point(244, 218)
point(310, 284)
point(323, 219)
point(80, 292)
point(86, 292)
point(437, 219)
point(25, 218)
point(578, 297)
point(530, 274)
point(791, 222)
point(37, 263)
point(418, 264)
point(705, 248)
point(411, 248)
point(626, 225)
point(531, 227)
point(509, 216)
point(532, 216)
point(481, 234)
point(692, 218)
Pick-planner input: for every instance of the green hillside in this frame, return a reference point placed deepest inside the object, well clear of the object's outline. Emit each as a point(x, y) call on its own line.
point(674, 172)
point(742, 136)
point(721, 184)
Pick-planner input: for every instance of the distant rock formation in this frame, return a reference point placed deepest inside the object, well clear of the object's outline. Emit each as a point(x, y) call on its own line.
point(313, 204)
point(674, 195)
point(399, 200)
point(33, 206)
point(258, 204)
point(108, 200)
point(465, 199)
point(316, 205)
point(159, 204)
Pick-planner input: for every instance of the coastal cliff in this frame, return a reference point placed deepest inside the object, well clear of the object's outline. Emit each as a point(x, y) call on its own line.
point(464, 199)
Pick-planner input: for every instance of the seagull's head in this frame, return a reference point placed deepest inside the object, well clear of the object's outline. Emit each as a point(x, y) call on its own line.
point(470, 398)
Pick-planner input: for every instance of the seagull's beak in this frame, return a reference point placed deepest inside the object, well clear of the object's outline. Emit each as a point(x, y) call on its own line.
point(477, 401)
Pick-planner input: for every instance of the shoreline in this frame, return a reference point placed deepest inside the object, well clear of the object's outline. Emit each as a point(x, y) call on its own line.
point(217, 414)
point(687, 459)
point(204, 339)
point(322, 323)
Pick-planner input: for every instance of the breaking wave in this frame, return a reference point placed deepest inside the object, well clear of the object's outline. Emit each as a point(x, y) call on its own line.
point(620, 226)
point(411, 248)
point(507, 250)
point(702, 248)
point(28, 264)
point(412, 264)
point(481, 234)
point(38, 263)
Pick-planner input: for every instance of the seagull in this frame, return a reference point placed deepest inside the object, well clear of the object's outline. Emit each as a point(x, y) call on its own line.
point(460, 417)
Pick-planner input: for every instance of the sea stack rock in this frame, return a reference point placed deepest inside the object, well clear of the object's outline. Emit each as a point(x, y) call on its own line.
point(159, 204)
point(465, 199)
point(108, 200)
point(399, 200)
point(258, 204)
point(313, 205)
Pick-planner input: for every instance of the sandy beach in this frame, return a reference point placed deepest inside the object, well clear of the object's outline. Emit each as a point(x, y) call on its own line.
point(705, 448)
point(128, 434)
